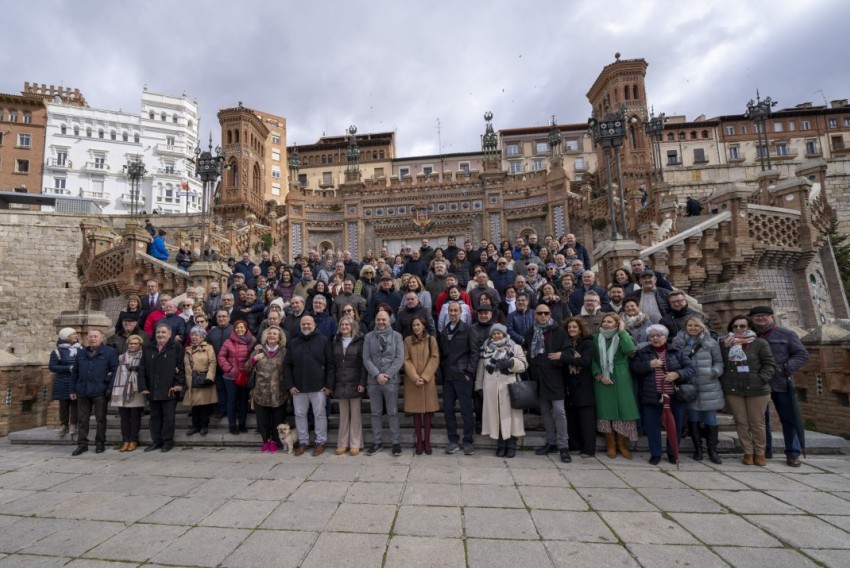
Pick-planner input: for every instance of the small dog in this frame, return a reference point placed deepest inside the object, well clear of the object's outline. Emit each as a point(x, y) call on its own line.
point(287, 437)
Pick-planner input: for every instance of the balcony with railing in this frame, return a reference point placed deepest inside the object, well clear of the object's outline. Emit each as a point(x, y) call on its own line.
point(96, 167)
point(174, 149)
point(96, 196)
point(57, 164)
point(127, 199)
point(170, 172)
point(56, 191)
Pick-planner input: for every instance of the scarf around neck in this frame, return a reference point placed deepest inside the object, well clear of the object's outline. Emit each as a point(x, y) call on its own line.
point(736, 344)
point(497, 350)
point(608, 351)
point(538, 340)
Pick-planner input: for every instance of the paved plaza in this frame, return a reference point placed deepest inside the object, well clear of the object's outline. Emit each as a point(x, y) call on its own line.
point(238, 508)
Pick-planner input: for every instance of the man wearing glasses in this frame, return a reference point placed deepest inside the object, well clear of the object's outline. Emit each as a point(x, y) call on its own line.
point(680, 311)
point(502, 277)
point(790, 357)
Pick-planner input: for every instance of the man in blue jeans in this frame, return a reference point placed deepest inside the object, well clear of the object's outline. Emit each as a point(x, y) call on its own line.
point(790, 356)
point(459, 360)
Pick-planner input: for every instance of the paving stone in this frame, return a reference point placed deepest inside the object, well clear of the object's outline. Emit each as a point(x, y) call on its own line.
point(136, 543)
point(424, 552)
point(89, 563)
point(27, 531)
point(74, 537)
point(432, 494)
point(582, 464)
point(498, 523)
point(593, 478)
point(818, 502)
point(365, 550)
point(386, 474)
point(552, 498)
point(842, 522)
point(269, 490)
point(834, 465)
point(184, 511)
point(320, 491)
point(38, 503)
point(109, 507)
point(751, 502)
point(240, 514)
point(245, 470)
point(773, 557)
point(802, 531)
point(659, 479)
point(9, 495)
point(490, 496)
point(290, 471)
point(574, 554)
point(667, 556)
point(823, 481)
point(719, 529)
point(379, 493)
point(548, 477)
point(28, 481)
point(680, 500)
point(336, 472)
point(265, 548)
point(612, 499)
point(202, 546)
point(486, 475)
point(416, 520)
point(646, 528)
point(304, 516)
point(505, 554)
point(447, 473)
point(768, 480)
point(708, 480)
point(572, 526)
point(27, 561)
point(362, 518)
point(830, 558)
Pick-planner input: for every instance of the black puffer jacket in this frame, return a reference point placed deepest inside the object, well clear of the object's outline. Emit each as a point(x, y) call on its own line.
point(309, 364)
point(350, 372)
point(94, 371)
point(162, 370)
point(677, 360)
point(61, 364)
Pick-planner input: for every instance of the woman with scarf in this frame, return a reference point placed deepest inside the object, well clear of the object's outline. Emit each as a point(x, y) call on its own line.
point(232, 356)
point(125, 393)
point(61, 364)
point(547, 344)
point(704, 351)
point(268, 393)
point(659, 368)
point(616, 407)
point(581, 402)
point(421, 361)
point(636, 322)
point(748, 367)
point(200, 360)
point(503, 360)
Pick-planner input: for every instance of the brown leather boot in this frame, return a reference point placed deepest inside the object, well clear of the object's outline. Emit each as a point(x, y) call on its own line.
point(125, 447)
point(132, 446)
point(611, 443)
point(623, 445)
point(758, 459)
point(748, 459)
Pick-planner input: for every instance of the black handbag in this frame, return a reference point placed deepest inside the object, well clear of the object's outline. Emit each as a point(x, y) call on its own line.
point(199, 380)
point(523, 395)
point(687, 393)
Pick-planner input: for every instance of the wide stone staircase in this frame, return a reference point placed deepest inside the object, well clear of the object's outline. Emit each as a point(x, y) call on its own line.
point(219, 435)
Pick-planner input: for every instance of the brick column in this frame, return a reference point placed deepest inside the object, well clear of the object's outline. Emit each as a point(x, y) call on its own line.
point(612, 255)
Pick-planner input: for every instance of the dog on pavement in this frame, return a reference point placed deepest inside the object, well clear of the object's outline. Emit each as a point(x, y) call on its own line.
point(287, 437)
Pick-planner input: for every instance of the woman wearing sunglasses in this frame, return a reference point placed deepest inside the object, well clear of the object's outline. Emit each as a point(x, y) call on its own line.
point(748, 368)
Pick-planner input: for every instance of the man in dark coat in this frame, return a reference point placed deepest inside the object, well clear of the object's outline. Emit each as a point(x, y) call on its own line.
point(588, 283)
point(385, 294)
point(790, 356)
point(580, 249)
point(412, 308)
point(521, 319)
point(459, 359)
point(416, 266)
point(451, 250)
point(244, 266)
point(91, 385)
point(309, 372)
point(653, 300)
point(680, 311)
point(129, 326)
point(162, 377)
point(638, 267)
point(216, 337)
point(502, 277)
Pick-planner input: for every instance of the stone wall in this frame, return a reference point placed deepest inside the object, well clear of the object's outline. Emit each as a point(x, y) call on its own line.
point(26, 395)
point(38, 280)
point(823, 384)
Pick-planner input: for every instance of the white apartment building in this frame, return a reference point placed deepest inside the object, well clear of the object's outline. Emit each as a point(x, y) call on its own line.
point(86, 151)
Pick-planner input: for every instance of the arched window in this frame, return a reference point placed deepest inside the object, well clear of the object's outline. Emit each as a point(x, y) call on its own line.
point(113, 135)
point(634, 92)
point(704, 134)
point(76, 131)
point(162, 117)
point(229, 137)
point(174, 118)
point(257, 182)
point(100, 133)
point(191, 123)
point(125, 137)
point(236, 136)
point(63, 129)
point(626, 92)
point(136, 138)
point(234, 173)
point(681, 136)
point(151, 115)
point(671, 137)
point(693, 134)
point(381, 154)
point(88, 132)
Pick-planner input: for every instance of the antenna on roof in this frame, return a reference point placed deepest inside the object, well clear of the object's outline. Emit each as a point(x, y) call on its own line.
point(823, 96)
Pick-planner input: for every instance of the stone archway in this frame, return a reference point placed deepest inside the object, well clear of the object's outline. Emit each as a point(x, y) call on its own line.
point(325, 246)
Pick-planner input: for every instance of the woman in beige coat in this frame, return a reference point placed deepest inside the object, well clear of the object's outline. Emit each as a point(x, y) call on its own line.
point(502, 361)
point(421, 361)
point(200, 358)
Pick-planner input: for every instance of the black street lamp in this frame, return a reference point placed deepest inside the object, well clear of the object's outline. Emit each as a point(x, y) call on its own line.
point(208, 168)
point(654, 128)
point(135, 170)
point(554, 137)
point(353, 152)
point(609, 133)
point(759, 111)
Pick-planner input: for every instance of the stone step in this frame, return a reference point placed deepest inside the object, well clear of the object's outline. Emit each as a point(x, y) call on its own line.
point(817, 443)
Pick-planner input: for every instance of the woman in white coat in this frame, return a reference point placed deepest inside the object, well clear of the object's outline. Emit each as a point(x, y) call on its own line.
point(501, 361)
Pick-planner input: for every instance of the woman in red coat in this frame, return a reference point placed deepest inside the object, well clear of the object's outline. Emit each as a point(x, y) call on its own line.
point(232, 356)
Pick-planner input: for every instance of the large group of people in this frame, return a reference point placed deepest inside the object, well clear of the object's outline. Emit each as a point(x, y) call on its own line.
point(282, 338)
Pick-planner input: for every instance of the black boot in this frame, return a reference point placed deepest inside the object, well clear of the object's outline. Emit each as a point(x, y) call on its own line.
point(711, 441)
point(501, 447)
point(696, 439)
point(510, 450)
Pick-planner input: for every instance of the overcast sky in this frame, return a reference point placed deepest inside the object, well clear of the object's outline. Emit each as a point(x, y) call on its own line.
point(402, 64)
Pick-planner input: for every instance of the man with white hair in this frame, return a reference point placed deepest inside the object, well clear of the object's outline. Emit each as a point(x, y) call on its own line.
point(581, 251)
point(588, 284)
point(91, 382)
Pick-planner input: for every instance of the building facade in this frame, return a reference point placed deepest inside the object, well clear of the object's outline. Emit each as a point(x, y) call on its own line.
point(86, 150)
point(22, 130)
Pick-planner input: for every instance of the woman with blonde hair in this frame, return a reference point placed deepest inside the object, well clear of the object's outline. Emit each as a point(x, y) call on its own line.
point(201, 395)
point(350, 382)
point(126, 396)
point(268, 393)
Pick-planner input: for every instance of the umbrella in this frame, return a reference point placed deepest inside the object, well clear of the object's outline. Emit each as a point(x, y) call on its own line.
point(668, 421)
point(799, 425)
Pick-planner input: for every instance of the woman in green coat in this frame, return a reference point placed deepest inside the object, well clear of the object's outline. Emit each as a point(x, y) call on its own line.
point(616, 408)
